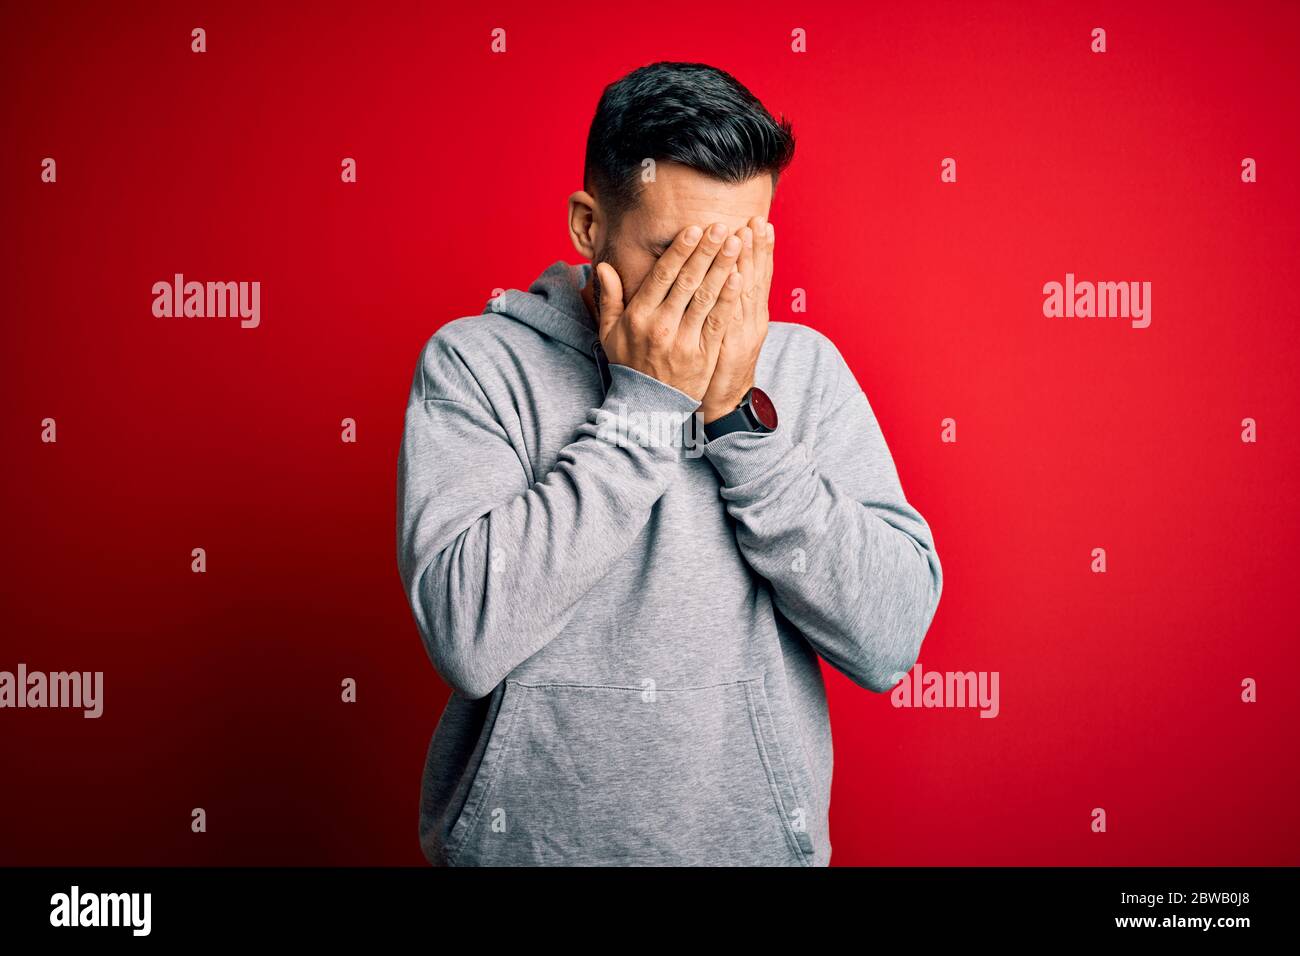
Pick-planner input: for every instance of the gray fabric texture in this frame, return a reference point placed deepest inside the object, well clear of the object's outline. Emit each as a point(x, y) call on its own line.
point(631, 621)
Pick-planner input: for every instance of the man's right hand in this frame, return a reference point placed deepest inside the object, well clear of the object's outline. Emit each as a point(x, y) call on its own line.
point(672, 328)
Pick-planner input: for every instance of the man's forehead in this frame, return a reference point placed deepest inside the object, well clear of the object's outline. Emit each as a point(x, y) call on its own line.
point(680, 197)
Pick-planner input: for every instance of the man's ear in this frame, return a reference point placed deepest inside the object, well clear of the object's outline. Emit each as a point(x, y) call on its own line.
point(583, 223)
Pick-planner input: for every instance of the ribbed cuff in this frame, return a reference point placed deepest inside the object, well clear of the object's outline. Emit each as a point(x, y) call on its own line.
point(749, 458)
point(643, 392)
point(641, 411)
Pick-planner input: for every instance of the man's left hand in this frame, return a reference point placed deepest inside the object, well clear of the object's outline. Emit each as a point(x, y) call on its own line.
point(743, 339)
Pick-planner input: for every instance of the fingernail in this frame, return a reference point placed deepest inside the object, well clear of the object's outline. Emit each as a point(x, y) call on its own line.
point(693, 234)
point(731, 246)
point(717, 231)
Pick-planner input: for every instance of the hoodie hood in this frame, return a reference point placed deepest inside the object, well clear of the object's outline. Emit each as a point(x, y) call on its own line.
point(553, 305)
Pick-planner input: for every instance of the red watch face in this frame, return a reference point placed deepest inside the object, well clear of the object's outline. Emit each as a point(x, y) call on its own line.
point(762, 407)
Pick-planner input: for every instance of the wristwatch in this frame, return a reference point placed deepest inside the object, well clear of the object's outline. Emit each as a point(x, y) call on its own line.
point(756, 413)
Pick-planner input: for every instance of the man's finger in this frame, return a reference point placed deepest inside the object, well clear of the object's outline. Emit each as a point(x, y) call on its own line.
point(761, 253)
point(722, 316)
point(709, 291)
point(696, 268)
point(771, 243)
point(650, 295)
point(746, 264)
point(611, 297)
point(765, 293)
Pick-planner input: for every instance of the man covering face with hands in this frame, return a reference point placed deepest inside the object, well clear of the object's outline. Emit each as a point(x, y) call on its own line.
point(633, 634)
point(702, 308)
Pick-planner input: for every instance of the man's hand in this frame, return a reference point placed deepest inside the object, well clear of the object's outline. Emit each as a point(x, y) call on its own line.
point(672, 328)
point(743, 338)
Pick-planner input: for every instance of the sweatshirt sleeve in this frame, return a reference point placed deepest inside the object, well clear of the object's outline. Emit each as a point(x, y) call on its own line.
point(493, 566)
point(851, 563)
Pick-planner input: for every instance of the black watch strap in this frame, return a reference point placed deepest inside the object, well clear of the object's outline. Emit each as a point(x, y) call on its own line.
point(744, 418)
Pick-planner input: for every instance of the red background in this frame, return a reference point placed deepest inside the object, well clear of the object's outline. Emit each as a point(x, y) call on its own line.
point(1118, 690)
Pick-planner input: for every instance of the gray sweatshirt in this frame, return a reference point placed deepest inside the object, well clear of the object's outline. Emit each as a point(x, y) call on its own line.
point(630, 620)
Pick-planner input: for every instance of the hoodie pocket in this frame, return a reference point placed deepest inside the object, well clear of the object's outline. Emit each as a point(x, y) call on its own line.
point(610, 776)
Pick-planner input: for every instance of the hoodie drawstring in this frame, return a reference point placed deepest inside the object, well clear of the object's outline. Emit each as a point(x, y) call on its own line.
point(602, 363)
